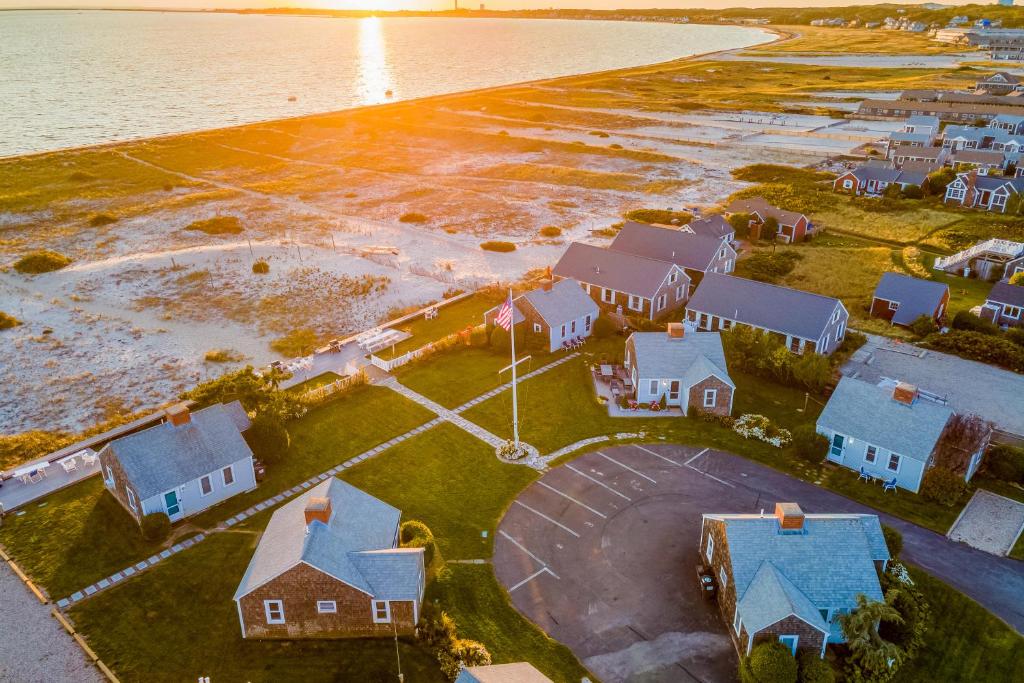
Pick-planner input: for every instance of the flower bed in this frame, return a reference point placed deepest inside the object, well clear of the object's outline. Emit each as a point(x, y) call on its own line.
point(751, 426)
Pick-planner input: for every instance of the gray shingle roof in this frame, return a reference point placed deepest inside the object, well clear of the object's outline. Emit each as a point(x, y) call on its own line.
point(916, 297)
point(711, 226)
point(685, 249)
point(760, 206)
point(691, 358)
point(565, 301)
point(519, 672)
point(879, 174)
point(824, 567)
point(992, 182)
point(868, 412)
point(784, 310)
point(164, 457)
point(356, 546)
point(904, 136)
point(1005, 293)
point(978, 156)
point(616, 270)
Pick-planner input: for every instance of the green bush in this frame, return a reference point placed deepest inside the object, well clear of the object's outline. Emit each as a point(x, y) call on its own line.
point(943, 486)
point(462, 653)
point(41, 261)
point(1017, 279)
point(550, 231)
point(478, 337)
point(770, 228)
point(814, 669)
point(501, 341)
point(1015, 335)
point(923, 326)
point(101, 219)
point(662, 216)
point(769, 662)
point(8, 321)
point(766, 356)
point(297, 343)
point(811, 370)
point(436, 629)
point(268, 438)
point(412, 217)
point(218, 225)
point(893, 540)
point(937, 181)
point(978, 346)
point(156, 527)
point(740, 222)
point(809, 444)
point(965, 320)
point(913, 192)
point(261, 267)
point(416, 534)
point(603, 328)
point(414, 528)
point(767, 267)
point(497, 245)
point(1006, 462)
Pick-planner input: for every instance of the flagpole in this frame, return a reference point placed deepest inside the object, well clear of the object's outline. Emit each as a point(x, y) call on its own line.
point(515, 402)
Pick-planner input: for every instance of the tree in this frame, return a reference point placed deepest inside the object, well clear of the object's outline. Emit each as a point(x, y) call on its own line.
point(937, 180)
point(893, 540)
point(501, 341)
point(812, 370)
point(1006, 462)
point(1017, 279)
point(770, 228)
point(252, 390)
point(156, 527)
point(809, 444)
point(267, 437)
point(913, 192)
point(814, 669)
point(740, 222)
point(941, 485)
point(603, 328)
point(869, 652)
point(923, 325)
point(769, 662)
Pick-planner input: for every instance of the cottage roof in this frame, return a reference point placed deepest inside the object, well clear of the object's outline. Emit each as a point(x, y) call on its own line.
point(761, 207)
point(621, 271)
point(880, 174)
point(565, 301)
point(978, 156)
point(922, 152)
point(685, 249)
point(974, 133)
point(920, 120)
point(1005, 293)
point(825, 565)
point(167, 456)
point(867, 411)
point(691, 358)
point(1001, 77)
point(992, 182)
point(518, 672)
point(1009, 119)
point(356, 545)
point(711, 226)
point(771, 307)
point(904, 136)
point(915, 296)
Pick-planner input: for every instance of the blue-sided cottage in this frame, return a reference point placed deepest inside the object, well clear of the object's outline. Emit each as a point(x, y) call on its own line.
point(789, 576)
point(517, 672)
point(329, 565)
point(560, 311)
point(182, 466)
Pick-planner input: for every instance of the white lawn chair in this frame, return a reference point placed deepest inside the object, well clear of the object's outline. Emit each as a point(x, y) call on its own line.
point(89, 459)
point(69, 464)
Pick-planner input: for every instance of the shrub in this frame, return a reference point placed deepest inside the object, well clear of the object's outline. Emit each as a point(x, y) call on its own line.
point(943, 486)
point(41, 261)
point(412, 217)
point(913, 192)
point(767, 267)
point(981, 347)
point(268, 438)
point(462, 653)
point(759, 427)
point(809, 444)
point(414, 528)
point(615, 145)
point(811, 370)
point(478, 337)
point(81, 176)
point(769, 662)
point(1006, 462)
point(497, 245)
point(436, 628)
point(218, 225)
point(1017, 279)
point(603, 328)
point(550, 231)
point(893, 540)
point(416, 534)
point(300, 342)
point(156, 527)
point(261, 267)
point(965, 320)
point(740, 222)
point(1015, 335)
point(8, 321)
point(663, 216)
point(923, 326)
point(501, 341)
point(937, 180)
point(814, 669)
point(770, 228)
point(223, 356)
point(101, 219)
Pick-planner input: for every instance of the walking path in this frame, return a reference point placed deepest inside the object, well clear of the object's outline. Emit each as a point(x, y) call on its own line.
point(442, 412)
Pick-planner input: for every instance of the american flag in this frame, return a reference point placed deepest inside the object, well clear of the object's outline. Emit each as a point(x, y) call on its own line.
point(504, 317)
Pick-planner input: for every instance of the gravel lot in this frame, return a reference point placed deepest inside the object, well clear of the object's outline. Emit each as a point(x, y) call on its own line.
point(34, 648)
point(990, 523)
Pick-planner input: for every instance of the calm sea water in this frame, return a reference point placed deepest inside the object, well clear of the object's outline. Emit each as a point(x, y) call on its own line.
point(70, 78)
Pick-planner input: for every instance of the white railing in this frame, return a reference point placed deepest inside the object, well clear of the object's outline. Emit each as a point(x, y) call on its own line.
point(991, 246)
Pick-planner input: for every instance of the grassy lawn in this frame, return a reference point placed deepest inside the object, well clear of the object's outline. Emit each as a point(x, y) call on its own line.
point(450, 319)
point(457, 375)
point(321, 380)
point(451, 481)
point(964, 293)
point(482, 611)
point(177, 622)
point(965, 642)
point(915, 220)
point(815, 39)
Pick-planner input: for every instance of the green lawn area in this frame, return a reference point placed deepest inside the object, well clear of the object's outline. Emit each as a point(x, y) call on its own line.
point(457, 375)
point(321, 380)
point(450, 480)
point(450, 319)
point(964, 293)
point(482, 611)
point(177, 622)
point(965, 642)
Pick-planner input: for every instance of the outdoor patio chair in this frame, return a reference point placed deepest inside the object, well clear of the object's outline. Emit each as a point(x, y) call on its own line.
point(69, 464)
point(34, 476)
point(889, 485)
point(89, 459)
point(864, 475)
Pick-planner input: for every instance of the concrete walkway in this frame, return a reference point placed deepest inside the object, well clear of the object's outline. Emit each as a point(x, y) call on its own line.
point(442, 412)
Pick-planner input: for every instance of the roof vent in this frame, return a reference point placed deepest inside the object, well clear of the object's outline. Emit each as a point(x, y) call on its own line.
point(318, 510)
point(178, 414)
point(790, 516)
point(905, 393)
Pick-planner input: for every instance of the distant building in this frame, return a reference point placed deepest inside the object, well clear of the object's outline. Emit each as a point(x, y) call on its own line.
point(902, 299)
point(518, 672)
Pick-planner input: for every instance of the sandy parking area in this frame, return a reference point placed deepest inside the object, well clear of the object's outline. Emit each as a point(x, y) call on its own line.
point(989, 522)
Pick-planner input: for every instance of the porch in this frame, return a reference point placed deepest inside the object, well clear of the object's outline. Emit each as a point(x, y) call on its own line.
point(612, 382)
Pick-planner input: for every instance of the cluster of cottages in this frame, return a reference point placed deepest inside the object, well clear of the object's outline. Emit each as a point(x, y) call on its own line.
point(983, 158)
point(993, 95)
point(994, 260)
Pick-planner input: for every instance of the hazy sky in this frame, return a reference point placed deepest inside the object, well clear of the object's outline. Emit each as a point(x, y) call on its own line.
point(439, 4)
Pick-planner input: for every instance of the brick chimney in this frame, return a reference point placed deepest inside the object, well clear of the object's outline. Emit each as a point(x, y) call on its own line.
point(675, 331)
point(904, 393)
point(178, 415)
point(318, 509)
point(546, 284)
point(790, 516)
point(972, 181)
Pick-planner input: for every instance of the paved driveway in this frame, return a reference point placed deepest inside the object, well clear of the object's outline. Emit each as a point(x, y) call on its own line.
point(601, 552)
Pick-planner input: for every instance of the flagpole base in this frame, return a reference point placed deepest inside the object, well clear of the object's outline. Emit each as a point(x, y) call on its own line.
point(512, 452)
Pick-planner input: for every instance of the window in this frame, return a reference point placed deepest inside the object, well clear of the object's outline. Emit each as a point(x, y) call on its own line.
point(381, 612)
point(893, 305)
point(662, 301)
point(608, 295)
point(710, 549)
point(110, 475)
point(840, 331)
point(563, 331)
point(726, 324)
point(790, 642)
point(847, 184)
point(635, 303)
point(723, 578)
point(710, 397)
point(572, 327)
point(229, 475)
point(326, 607)
point(837, 446)
point(679, 293)
point(728, 266)
point(737, 622)
point(654, 387)
point(673, 277)
point(825, 615)
point(894, 462)
point(205, 485)
point(537, 328)
point(794, 344)
point(274, 611)
point(1011, 311)
point(131, 498)
point(587, 322)
point(871, 454)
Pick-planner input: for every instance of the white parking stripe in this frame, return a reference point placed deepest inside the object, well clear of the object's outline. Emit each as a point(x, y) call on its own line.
point(543, 516)
point(656, 455)
point(568, 497)
point(709, 476)
point(531, 577)
point(599, 482)
point(626, 467)
point(687, 463)
point(522, 547)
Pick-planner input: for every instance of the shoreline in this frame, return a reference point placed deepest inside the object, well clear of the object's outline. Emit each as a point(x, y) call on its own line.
point(780, 35)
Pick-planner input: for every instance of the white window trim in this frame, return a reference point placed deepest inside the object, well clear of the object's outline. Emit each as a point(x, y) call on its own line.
point(867, 450)
point(607, 295)
point(132, 501)
point(207, 478)
point(893, 305)
point(563, 331)
point(270, 606)
point(110, 475)
point(326, 607)
point(537, 327)
point(899, 462)
point(587, 322)
point(723, 578)
point(673, 277)
point(1011, 311)
point(710, 551)
point(737, 621)
point(679, 293)
point(224, 475)
point(638, 305)
point(572, 327)
point(794, 638)
point(662, 301)
point(711, 394)
point(375, 606)
point(653, 386)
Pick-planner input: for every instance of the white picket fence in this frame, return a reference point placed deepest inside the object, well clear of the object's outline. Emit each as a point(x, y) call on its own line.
point(321, 394)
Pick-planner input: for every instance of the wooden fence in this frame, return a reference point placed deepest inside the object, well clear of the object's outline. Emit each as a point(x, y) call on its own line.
point(324, 393)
